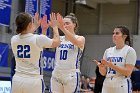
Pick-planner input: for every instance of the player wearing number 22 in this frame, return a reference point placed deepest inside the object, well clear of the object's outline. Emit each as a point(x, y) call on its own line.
point(27, 49)
point(118, 63)
point(65, 76)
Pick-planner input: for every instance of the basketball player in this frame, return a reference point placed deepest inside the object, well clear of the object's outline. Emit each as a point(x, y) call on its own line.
point(27, 49)
point(65, 76)
point(117, 63)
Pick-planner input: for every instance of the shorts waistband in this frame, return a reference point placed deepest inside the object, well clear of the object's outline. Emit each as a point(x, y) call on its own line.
point(117, 77)
point(68, 71)
point(29, 75)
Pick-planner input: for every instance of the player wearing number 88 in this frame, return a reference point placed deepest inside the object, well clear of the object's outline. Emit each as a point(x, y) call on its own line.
point(27, 48)
point(65, 76)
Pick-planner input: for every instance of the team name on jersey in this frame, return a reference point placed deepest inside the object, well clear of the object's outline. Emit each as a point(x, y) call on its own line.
point(115, 59)
point(69, 46)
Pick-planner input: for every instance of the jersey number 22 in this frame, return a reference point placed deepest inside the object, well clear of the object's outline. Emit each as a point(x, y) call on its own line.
point(23, 51)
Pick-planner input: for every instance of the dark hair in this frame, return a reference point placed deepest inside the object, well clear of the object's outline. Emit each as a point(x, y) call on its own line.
point(22, 21)
point(125, 31)
point(74, 20)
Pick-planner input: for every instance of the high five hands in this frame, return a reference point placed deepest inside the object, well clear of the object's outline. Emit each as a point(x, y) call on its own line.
point(46, 23)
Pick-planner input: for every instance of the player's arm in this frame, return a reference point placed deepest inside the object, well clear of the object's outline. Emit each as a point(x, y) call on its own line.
point(53, 24)
point(128, 68)
point(44, 25)
point(79, 42)
point(56, 38)
point(36, 22)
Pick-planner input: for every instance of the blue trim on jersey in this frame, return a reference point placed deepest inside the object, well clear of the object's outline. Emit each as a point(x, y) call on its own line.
point(77, 84)
point(40, 62)
point(129, 89)
point(78, 57)
point(50, 90)
point(43, 86)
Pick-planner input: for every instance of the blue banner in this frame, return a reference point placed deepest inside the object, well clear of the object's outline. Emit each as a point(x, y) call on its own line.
point(49, 60)
point(31, 7)
point(5, 12)
point(4, 49)
point(45, 9)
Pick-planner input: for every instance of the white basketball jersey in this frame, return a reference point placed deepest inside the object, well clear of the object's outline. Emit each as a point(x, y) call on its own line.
point(67, 55)
point(118, 57)
point(27, 50)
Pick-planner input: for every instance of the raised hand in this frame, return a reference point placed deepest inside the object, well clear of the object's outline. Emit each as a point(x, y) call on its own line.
point(44, 24)
point(36, 21)
point(53, 21)
point(60, 22)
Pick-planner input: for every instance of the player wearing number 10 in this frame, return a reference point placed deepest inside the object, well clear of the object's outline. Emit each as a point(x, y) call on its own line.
point(27, 49)
point(118, 63)
point(65, 76)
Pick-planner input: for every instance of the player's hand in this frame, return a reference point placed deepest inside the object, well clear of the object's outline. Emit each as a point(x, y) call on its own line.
point(53, 20)
point(60, 22)
point(44, 24)
point(100, 65)
point(36, 21)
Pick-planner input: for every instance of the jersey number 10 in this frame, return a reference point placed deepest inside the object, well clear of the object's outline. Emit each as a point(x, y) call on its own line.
point(63, 54)
point(23, 51)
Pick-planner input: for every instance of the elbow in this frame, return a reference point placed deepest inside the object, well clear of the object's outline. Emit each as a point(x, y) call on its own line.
point(128, 73)
point(81, 46)
point(78, 44)
point(55, 43)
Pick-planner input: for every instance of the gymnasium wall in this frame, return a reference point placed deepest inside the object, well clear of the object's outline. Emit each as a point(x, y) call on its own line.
point(95, 47)
point(105, 17)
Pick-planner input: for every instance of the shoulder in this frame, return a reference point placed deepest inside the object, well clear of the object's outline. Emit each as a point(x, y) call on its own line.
point(110, 49)
point(131, 50)
point(131, 53)
point(62, 38)
point(14, 37)
point(41, 36)
point(78, 36)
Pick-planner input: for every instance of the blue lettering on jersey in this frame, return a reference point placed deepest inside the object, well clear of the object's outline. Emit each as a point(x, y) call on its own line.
point(23, 51)
point(115, 59)
point(4, 89)
point(63, 54)
point(69, 46)
point(112, 71)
